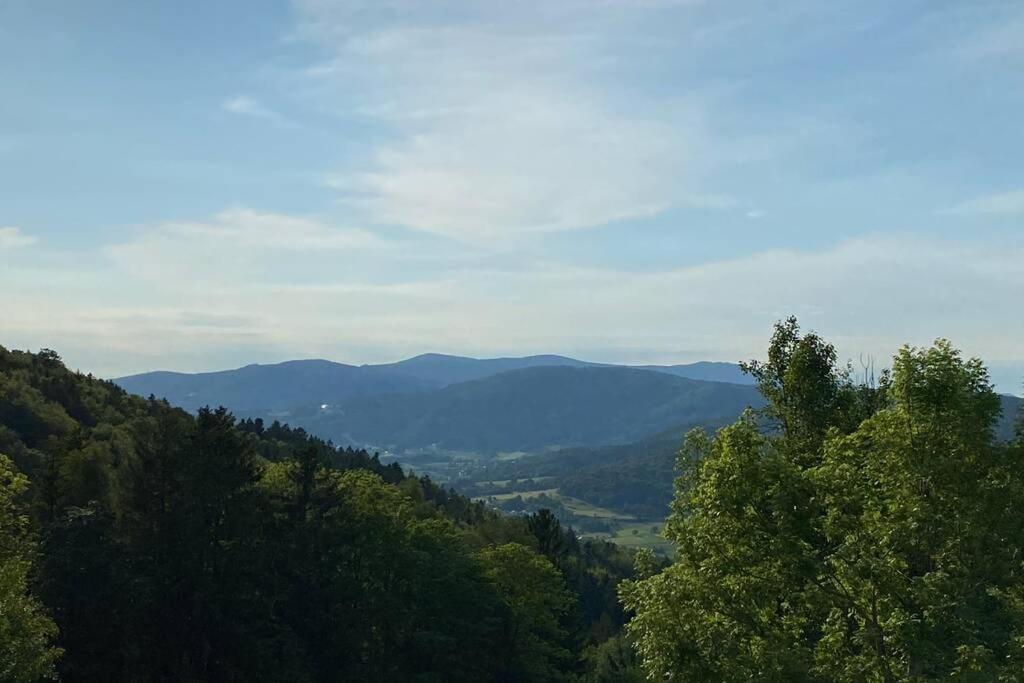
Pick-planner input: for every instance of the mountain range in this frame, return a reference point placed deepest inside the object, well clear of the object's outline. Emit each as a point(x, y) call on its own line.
point(531, 409)
point(443, 403)
point(282, 386)
point(466, 404)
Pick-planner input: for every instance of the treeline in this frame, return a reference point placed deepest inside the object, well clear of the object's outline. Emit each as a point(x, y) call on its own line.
point(139, 542)
point(847, 531)
point(866, 531)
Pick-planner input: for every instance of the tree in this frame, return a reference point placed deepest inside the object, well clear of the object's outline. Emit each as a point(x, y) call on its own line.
point(82, 577)
point(533, 592)
point(614, 661)
point(26, 632)
point(195, 547)
point(806, 392)
point(190, 510)
point(851, 543)
point(923, 530)
point(547, 531)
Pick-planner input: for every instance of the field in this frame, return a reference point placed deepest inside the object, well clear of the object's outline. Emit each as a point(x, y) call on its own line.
point(618, 527)
point(624, 530)
point(525, 495)
point(639, 535)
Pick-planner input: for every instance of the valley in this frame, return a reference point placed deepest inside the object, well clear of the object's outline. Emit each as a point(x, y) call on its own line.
point(595, 443)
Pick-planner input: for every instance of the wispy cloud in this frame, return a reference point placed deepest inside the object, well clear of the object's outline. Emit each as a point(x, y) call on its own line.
point(503, 120)
point(247, 106)
point(1011, 202)
point(12, 238)
point(171, 301)
point(999, 40)
point(235, 245)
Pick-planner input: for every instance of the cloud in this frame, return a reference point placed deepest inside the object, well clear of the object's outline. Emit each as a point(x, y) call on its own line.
point(13, 238)
point(1001, 40)
point(235, 244)
point(553, 164)
point(1006, 203)
point(868, 295)
point(247, 106)
point(503, 120)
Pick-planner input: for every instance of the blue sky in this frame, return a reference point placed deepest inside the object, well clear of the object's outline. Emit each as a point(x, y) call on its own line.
point(197, 185)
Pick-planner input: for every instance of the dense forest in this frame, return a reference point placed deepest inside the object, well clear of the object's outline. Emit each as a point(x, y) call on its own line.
point(140, 542)
point(850, 529)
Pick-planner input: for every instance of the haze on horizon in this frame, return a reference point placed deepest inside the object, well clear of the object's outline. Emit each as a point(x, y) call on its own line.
point(197, 186)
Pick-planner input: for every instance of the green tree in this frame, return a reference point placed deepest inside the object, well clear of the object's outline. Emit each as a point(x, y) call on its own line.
point(26, 632)
point(378, 586)
point(923, 531)
point(533, 641)
point(874, 540)
point(613, 661)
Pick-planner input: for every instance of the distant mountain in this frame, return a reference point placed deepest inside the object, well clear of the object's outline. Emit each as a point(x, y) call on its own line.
point(631, 478)
point(442, 370)
point(277, 387)
point(1012, 407)
point(283, 386)
point(531, 409)
point(708, 371)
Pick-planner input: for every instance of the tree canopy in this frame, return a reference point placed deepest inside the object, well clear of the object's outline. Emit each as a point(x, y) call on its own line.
point(141, 542)
point(846, 533)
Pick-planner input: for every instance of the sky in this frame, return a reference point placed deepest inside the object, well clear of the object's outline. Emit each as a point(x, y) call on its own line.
point(202, 185)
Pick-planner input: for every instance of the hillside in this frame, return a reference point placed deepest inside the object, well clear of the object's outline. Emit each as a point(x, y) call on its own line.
point(632, 478)
point(707, 371)
point(141, 542)
point(532, 409)
point(283, 386)
point(1012, 411)
point(442, 370)
point(276, 387)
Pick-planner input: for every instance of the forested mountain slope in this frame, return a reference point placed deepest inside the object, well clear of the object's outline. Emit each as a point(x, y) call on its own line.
point(532, 409)
point(284, 386)
point(1011, 407)
point(442, 369)
point(269, 388)
point(707, 371)
point(634, 478)
point(141, 542)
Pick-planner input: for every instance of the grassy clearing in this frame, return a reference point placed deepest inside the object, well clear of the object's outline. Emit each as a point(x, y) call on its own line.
point(506, 482)
point(640, 535)
point(574, 505)
point(585, 509)
point(526, 495)
point(626, 530)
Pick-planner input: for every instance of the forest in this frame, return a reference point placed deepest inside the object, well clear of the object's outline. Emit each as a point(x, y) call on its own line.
point(852, 528)
point(140, 542)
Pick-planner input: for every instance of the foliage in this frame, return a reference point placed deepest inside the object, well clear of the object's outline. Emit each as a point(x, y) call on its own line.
point(197, 547)
point(536, 599)
point(26, 632)
point(614, 661)
point(870, 533)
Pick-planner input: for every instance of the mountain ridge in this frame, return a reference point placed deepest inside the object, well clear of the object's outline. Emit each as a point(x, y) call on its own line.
point(284, 385)
point(530, 409)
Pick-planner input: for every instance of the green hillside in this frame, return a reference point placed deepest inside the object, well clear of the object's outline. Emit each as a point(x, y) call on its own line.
point(532, 409)
point(141, 542)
